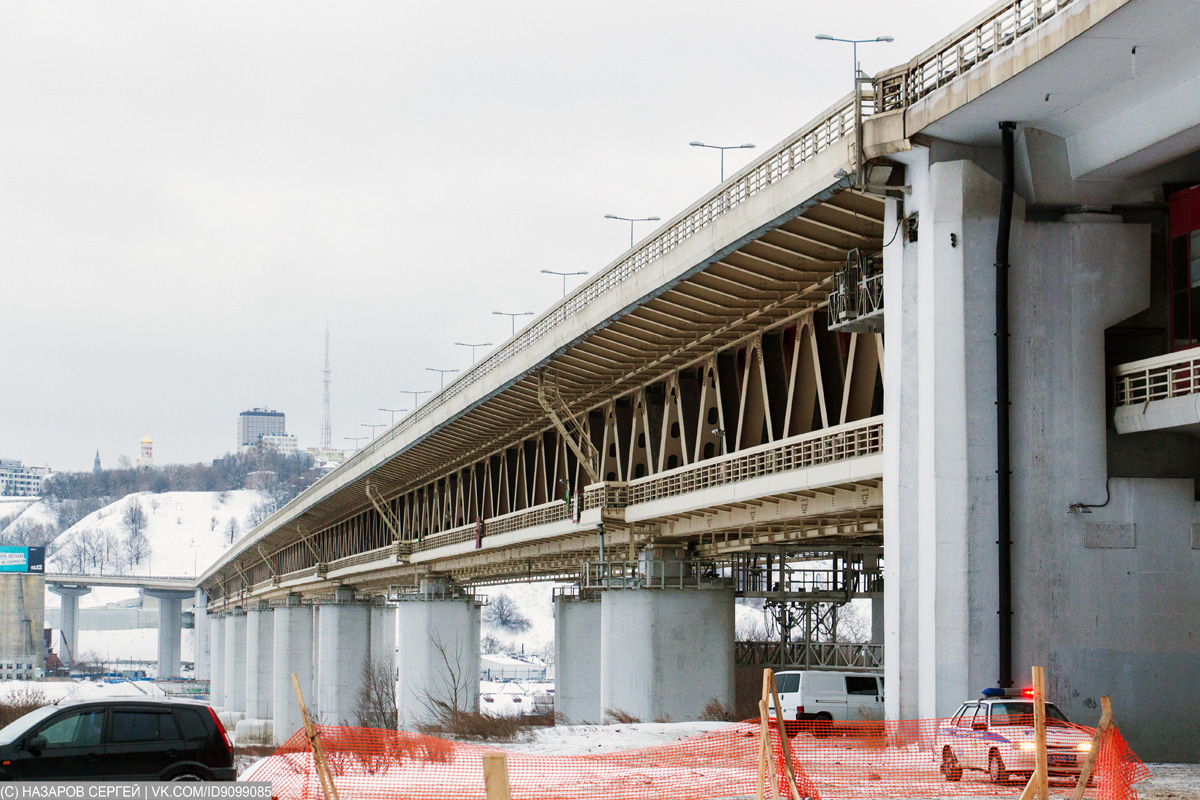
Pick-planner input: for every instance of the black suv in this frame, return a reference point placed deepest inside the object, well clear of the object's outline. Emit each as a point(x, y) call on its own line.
point(118, 739)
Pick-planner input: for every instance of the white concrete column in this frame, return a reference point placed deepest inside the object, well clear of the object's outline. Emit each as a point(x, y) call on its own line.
point(260, 672)
point(68, 633)
point(202, 670)
point(383, 632)
point(216, 660)
point(577, 659)
point(235, 662)
point(665, 653)
point(170, 629)
point(437, 657)
point(342, 650)
point(293, 646)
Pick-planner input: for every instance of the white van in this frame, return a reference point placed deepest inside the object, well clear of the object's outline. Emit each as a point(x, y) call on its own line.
point(827, 696)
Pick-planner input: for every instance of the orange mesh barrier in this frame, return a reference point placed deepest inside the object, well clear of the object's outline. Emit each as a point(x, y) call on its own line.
point(855, 761)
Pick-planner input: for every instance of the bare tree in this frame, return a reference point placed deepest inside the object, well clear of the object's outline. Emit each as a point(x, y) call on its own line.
point(376, 704)
point(448, 698)
point(137, 543)
point(502, 612)
point(232, 529)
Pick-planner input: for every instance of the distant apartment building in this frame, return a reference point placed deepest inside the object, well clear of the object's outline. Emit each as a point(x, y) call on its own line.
point(21, 481)
point(256, 423)
point(285, 443)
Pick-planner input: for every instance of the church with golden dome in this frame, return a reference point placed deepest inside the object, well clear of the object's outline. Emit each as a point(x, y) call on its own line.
point(146, 454)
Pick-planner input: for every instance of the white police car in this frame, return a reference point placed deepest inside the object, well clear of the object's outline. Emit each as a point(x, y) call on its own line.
point(995, 735)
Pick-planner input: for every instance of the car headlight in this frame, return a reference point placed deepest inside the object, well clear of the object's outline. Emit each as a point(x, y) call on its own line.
point(1027, 746)
point(1084, 747)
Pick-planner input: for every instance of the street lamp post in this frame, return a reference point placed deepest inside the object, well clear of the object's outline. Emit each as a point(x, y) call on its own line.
point(513, 316)
point(723, 148)
point(859, 158)
point(415, 395)
point(564, 277)
point(441, 374)
point(356, 440)
point(393, 412)
point(631, 220)
point(373, 426)
point(473, 346)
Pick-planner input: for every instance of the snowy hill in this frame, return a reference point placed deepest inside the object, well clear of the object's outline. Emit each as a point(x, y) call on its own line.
point(179, 534)
point(31, 510)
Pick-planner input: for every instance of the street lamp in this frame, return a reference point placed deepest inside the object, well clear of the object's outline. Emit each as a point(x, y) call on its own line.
point(415, 395)
point(356, 440)
point(564, 277)
point(723, 148)
point(825, 37)
point(393, 412)
point(441, 374)
point(631, 220)
point(373, 427)
point(514, 317)
point(473, 346)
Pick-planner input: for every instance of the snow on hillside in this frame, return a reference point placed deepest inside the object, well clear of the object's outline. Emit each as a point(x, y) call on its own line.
point(185, 532)
point(28, 509)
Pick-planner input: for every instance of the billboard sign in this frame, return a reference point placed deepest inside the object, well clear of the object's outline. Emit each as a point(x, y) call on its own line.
point(23, 559)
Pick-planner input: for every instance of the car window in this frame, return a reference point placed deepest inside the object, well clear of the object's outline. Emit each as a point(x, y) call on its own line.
point(76, 729)
point(10, 732)
point(968, 714)
point(129, 725)
point(862, 685)
point(1021, 713)
point(192, 723)
point(787, 683)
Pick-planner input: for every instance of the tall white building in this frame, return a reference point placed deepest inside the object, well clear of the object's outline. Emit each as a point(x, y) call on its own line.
point(256, 423)
point(17, 480)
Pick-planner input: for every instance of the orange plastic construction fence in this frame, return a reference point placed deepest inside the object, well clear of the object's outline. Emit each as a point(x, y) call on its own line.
point(851, 761)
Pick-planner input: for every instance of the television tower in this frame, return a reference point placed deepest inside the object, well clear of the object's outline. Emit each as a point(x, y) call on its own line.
point(326, 425)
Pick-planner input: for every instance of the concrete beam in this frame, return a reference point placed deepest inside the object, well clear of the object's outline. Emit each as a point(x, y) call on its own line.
point(68, 635)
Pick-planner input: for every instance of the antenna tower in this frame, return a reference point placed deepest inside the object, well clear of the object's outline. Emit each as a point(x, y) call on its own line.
point(326, 425)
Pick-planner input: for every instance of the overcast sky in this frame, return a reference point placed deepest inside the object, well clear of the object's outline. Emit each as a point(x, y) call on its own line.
point(189, 190)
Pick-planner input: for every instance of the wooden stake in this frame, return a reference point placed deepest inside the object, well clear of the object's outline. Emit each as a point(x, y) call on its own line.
point(1039, 732)
point(1089, 763)
point(783, 739)
point(314, 739)
point(766, 763)
point(495, 776)
point(1031, 787)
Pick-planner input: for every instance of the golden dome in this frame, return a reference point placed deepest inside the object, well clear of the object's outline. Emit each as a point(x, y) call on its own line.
point(146, 439)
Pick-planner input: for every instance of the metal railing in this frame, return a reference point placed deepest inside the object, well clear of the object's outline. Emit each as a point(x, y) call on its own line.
point(655, 574)
point(1159, 378)
point(811, 655)
point(554, 511)
point(968, 47)
point(807, 450)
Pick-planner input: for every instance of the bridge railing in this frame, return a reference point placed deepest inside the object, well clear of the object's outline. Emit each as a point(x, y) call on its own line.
point(967, 47)
point(810, 655)
point(807, 450)
point(1158, 378)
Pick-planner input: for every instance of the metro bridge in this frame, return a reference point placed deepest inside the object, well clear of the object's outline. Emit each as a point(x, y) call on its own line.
point(721, 392)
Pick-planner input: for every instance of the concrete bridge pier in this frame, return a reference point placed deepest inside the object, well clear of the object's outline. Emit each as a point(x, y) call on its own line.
point(292, 643)
point(438, 652)
point(577, 658)
point(216, 660)
point(201, 669)
point(68, 647)
point(343, 646)
point(170, 629)
point(234, 653)
point(260, 663)
point(665, 653)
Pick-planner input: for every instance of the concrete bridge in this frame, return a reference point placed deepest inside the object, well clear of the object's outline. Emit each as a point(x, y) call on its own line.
point(713, 413)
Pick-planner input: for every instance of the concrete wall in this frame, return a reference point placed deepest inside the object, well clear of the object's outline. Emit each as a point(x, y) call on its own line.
point(437, 657)
point(664, 654)
point(577, 660)
point(22, 611)
point(1106, 601)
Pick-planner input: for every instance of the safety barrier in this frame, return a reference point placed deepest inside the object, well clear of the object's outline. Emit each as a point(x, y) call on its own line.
point(851, 760)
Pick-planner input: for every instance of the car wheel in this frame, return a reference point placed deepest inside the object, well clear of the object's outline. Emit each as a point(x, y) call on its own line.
point(823, 726)
point(996, 770)
point(950, 766)
point(188, 776)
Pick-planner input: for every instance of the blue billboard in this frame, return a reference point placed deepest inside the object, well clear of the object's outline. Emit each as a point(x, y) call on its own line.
point(23, 559)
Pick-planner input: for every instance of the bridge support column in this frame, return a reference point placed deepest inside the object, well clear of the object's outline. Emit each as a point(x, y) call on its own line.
point(216, 660)
point(201, 669)
point(343, 647)
point(235, 665)
point(170, 629)
point(665, 653)
point(577, 659)
point(260, 670)
point(438, 654)
point(293, 652)
point(68, 626)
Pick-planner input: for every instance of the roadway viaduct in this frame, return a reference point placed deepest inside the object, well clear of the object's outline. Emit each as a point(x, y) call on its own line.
point(714, 409)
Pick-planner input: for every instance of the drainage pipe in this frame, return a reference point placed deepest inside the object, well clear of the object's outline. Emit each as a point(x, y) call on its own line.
point(1003, 468)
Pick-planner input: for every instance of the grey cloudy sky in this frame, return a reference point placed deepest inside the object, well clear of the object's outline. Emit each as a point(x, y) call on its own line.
point(188, 190)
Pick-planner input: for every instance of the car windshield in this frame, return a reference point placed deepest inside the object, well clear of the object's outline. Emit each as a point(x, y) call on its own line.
point(1018, 713)
point(10, 732)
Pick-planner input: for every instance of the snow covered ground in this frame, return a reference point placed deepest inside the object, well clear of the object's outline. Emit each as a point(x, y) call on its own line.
point(33, 510)
point(56, 691)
